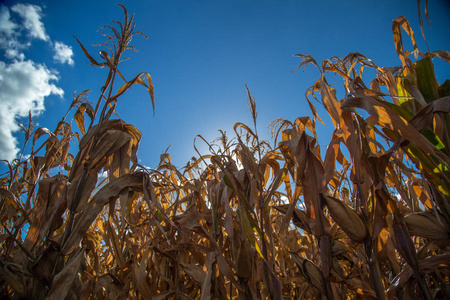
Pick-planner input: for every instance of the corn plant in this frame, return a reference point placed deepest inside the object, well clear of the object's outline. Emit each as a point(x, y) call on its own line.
point(390, 198)
point(365, 218)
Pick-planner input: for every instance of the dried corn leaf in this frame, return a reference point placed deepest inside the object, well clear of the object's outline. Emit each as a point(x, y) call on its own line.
point(109, 142)
point(63, 281)
point(137, 80)
point(13, 274)
point(79, 115)
point(299, 217)
point(329, 100)
point(430, 264)
point(195, 271)
point(140, 276)
point(85, 218)
point(396, 29)
point(206, 283)
point(386, 117)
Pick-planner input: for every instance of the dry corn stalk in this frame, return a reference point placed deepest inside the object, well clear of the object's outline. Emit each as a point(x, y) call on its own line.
point(370, 218)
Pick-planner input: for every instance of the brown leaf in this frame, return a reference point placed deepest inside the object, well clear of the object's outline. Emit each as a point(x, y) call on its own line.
point(424, 117)
point(279, 175)
point(313, 185)
point(41, 131)
point(140, 276)
point(92, 60)
point(79, 115)
point(48, 210)
point(396, 24)
point(362, 288)
point(116, 245)
point(206, 283)
point(45, 263)
point(195, 271)
point(386, 117)
point(114, 124)
point(427, 265)
point(11, 199)
point(163, 295)
point(13, 274)
point(109, 142)
point(107, 285)
point(137, 80)
point(332, 156)
point(445, 55)
point(62, 283)
point(241, 257)
point(329, 100)
point(404, 243)
point(80, 190)
point(85, 218)
point(299, 217)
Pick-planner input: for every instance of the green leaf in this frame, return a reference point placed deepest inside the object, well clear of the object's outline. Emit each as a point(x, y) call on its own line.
point(426, 79)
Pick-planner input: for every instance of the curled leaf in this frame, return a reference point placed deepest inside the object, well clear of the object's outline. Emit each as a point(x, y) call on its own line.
point(79, 115)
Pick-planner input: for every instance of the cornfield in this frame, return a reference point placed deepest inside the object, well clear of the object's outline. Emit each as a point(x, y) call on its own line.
point(366, 217)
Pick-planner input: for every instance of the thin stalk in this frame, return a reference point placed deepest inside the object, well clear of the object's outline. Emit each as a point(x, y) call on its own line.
point(97, 106)
point(102, 115)
point(374, 271)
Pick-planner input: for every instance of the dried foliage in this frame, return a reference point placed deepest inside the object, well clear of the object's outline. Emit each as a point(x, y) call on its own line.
point(367, 219)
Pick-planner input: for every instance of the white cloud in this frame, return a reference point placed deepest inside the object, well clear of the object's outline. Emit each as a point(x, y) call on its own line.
point(7, 27)
point(24, 84)
point(31, 15)
point(12, 40)
point(8, 34)
point(23, 87)
point(11, 33)
point(63, 53)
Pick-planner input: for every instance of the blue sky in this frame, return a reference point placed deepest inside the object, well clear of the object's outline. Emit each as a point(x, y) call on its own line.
point(200, 55)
